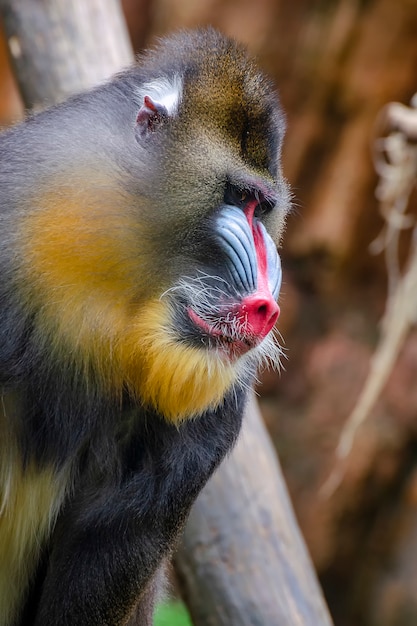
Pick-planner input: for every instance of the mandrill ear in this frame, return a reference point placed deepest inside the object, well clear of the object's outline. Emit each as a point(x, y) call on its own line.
point(151, 116)
point(160, 102)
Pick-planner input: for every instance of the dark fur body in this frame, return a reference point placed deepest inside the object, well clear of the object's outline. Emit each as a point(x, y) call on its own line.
point(114, 472)
point(132, 515)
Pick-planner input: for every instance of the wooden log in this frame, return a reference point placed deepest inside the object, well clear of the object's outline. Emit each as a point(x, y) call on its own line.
point(242, 561)
point(11, 106)
point(60, 47)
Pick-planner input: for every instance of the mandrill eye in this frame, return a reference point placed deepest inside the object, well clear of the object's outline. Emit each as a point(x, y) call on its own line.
point(235, 196)
point(242, 197)
point(263, 208)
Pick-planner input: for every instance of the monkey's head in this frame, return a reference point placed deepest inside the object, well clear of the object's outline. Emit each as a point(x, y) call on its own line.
point(150, 255)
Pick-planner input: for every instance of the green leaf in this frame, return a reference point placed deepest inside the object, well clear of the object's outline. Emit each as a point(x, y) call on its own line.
point(172, 614)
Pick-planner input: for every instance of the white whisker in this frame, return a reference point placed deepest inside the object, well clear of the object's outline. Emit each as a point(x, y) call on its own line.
point(215, 306)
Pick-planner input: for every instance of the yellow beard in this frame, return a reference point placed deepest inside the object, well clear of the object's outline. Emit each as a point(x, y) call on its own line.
point(141, 353)
point(180, 381)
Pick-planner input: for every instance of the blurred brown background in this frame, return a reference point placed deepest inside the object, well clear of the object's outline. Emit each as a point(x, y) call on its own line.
point(336, 64)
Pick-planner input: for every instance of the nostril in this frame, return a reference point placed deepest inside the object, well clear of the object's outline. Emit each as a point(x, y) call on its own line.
point(266, 309)
point(261, 313)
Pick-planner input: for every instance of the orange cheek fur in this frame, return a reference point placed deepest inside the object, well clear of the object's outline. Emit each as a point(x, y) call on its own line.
point(86, 274)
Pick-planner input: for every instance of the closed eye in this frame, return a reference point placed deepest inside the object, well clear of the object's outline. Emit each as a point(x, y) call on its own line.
point(235, 196)
point(240, 197)
point(264, 207)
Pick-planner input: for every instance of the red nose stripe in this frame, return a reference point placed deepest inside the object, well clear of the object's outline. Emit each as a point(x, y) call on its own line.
point(259, 310)
point(260, 313)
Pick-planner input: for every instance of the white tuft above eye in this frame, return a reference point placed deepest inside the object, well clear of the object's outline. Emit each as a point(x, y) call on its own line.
point(167, 92)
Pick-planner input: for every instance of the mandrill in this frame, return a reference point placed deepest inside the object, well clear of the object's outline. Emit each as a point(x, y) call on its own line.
point(138, 294)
